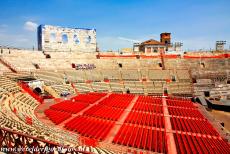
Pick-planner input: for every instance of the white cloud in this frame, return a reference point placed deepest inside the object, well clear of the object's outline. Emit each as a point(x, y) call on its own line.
point(129, 40)
point(30, 26)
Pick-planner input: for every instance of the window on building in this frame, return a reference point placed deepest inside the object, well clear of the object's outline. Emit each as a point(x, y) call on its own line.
point(52, 37)
point(76, 39)
point(88, 39)
point(64, 38)
point(148, 49)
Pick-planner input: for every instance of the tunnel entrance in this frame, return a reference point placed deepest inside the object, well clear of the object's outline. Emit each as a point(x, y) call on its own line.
point(37, 90)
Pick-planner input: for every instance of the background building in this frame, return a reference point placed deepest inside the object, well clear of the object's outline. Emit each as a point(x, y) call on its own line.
point(54, 38)
point(154, 46)
point(220, 45)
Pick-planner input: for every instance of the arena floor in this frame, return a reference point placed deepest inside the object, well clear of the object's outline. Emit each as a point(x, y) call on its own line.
point(222, 116)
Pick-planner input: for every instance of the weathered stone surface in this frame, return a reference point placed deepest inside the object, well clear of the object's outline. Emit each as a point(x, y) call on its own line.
point(54, 38)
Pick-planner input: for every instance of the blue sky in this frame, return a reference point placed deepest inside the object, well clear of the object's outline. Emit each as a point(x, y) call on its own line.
point(196, 23)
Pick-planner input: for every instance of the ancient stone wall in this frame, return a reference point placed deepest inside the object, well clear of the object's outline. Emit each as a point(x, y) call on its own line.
point(54, 38)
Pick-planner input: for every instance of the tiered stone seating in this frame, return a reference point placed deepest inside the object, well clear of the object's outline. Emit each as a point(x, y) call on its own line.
point(102, 64)
point(139, 88)
point(76, 75)
point(50, 77)
point(23, 60)
point(11, 123)
point(63, 88)
point(93, 75)
point(180, 88)
point(220, 91)
point(158, 75)
point(112, 75)
point(17, 121)
point(153, 87)
point(3, 68)
point(130, 75)
point(2, 92)
point(8, 85)
point(83, 87)
point(27, 100)
point(150, 64)
point(130, 85)
point(100, 86)
point(128, 63)
point(183, 75)
point(116, 87)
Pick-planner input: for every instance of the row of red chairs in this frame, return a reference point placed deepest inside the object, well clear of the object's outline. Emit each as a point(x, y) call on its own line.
point(180, 103)
point(68, 106)
point(195, 126)
point(57, 116)
point(89, 98)
point(198, 144)
point(104, 112)
point(90, 127)
point(142, 138)
point(149, 99)
point(141, 118)
point(178, 98)
point(185, 112)
point(148, 107)
point(118, 100)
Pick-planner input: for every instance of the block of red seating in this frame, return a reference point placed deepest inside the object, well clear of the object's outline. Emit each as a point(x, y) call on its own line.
point(104, 112)
point(149, 99)
point(89, 98)
point(143, 118)
point(185, 112)
point(180, 103)
point(192, 125)
point(57, 116)
point(199, 144)
point(90, 127)
point(118, 100)
point(147, 107)
point(146, 138)
point(68, 106)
